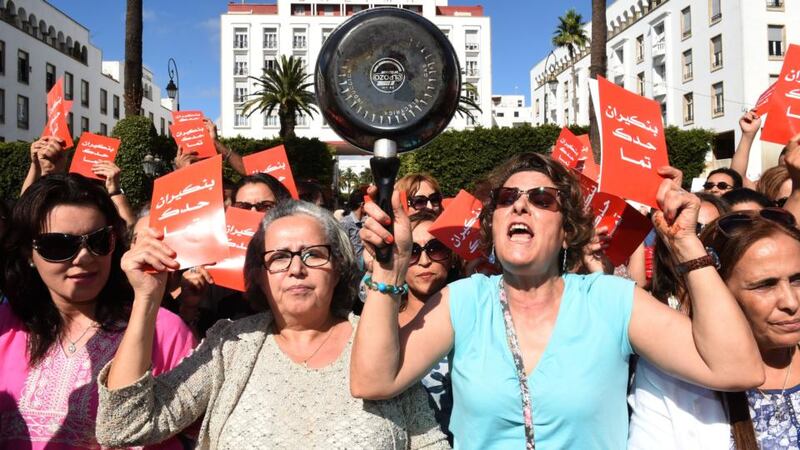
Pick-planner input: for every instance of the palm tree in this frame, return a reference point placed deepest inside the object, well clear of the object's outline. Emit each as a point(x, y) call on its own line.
point(285, 87)
point(597, 65)
point(133, 58)
point(468, 103)
point(570, 35)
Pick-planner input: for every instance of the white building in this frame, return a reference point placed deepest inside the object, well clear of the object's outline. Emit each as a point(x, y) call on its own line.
point(254, 35)
point(38, 45)
point(705, 61)
point(510, 111)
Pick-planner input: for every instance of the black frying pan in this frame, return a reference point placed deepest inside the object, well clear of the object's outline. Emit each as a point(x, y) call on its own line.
point(387, 80)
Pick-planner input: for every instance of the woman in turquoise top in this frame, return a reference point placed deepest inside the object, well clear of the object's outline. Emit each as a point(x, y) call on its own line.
point(540, 357)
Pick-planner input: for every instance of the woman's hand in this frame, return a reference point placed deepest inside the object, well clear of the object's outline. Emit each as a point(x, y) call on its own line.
point(594, 251)
point(750, 123)
point(194, 285)
point(185, 159)
point(110, 172)
point(149, 254)
point(676, 222)
point(47, 155)
point(374, 234)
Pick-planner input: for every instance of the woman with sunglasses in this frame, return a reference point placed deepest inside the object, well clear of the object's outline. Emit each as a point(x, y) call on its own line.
point(722, 180)
point(68, 306)
point(273, 380)
point(259, 192)
point(758, 255)
point(776, 185)
point(541, 356)
point(422, 192)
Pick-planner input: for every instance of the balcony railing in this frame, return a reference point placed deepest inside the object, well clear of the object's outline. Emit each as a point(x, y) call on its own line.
point(716, 60)
point(659, 48)
point(299, 42)
point(472, 46)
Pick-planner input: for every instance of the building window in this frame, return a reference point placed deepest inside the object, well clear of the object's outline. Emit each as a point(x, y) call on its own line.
point(301, 120)
point(240, 92)
point(240, 65)
point(472, 41)
point(84, 93)
point(271, 120)
point(686, 22)
point(299, 39)
point(84, 124)
point(716, 52)
point(240, 120)
point(715, 10)
point(2, 106)
point(69, 124)
point(639, 48)
point(300, 10)
point(472, 68)
point(640, 83)
point(147, 91)
point(688, 108)
point(68, 92)
point(2, 58)
point(775, 4)
point(325, 33)
point(327, 10)
point(22, 112)
point(688, 66)
point(115, 106)
point(240, 38)
point(103, 101)
point(718, 99)
point(49, 76)
point(23, 67)
point(163, 126)
point(501, 114)
point(775, 38)
point(103, 129)
point(271, 38)
point(516, 113)
point(270, 62)
point(536, 108)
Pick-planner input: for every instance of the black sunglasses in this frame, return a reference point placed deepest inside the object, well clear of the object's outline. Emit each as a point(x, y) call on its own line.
point(729, 224)
point(541, 197)
point(435, 250)
point(262, 206)
point(421, 201)
point(60, 247)
point(723, 186)
point(781, 202)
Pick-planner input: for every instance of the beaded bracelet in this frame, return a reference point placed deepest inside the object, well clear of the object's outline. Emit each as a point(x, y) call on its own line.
point(384, 288)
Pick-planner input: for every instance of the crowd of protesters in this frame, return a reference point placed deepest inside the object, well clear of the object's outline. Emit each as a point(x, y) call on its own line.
point(105, 341)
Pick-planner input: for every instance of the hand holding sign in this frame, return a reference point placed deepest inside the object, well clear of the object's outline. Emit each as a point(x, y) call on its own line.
point(57, 110)
point(783, 117)
point(92, 150)
point(48, 156)
point(241, 224)
point(149, 253)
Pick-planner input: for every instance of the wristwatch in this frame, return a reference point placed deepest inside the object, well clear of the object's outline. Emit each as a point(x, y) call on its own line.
point(711, 259)
point(119, 191)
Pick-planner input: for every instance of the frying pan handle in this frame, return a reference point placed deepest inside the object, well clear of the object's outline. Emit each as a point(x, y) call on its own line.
point(384, 172)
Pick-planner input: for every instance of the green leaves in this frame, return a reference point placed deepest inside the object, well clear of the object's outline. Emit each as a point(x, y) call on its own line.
point(570, 33)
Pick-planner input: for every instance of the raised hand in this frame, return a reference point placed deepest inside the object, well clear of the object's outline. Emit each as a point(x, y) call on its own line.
point(110, 172)
point(47, 155)
point(146, 265)
point(185, 159)
point(374, 234)
point(677, 219)
point(750, 123)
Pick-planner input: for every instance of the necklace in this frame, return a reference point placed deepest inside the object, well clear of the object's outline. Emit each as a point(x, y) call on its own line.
point(305, 361)
point(71, 348)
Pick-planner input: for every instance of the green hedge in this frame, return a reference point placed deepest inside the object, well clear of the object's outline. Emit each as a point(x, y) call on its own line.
point(458, 159)
point(138, 137)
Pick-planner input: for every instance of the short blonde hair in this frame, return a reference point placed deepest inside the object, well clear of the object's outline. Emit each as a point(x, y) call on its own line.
point(410, 183)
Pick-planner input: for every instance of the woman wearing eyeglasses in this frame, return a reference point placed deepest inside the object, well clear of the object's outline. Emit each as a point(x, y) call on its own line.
point(68, 307)
point(273, 380)
point(422, 192)
point(540, 357)
point(758, 254)
point(722, 180)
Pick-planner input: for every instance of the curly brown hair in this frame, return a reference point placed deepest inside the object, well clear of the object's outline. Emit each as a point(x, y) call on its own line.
point(577, 223)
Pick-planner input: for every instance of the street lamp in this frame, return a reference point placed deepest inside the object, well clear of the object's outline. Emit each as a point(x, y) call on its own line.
point(152, 166)
point(550, 82)
point(172, 87)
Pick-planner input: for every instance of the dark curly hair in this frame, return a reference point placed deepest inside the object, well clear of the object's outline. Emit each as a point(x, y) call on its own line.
point(27, 294)
point(577, 221)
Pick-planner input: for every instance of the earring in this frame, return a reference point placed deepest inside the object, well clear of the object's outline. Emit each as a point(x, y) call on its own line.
point(564, 262)
point(31, 264)
point(491, 256)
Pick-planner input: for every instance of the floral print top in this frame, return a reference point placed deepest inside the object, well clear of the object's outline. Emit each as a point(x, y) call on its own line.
point(775, 417)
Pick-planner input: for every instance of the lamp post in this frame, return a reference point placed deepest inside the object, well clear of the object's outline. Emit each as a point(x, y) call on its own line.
point(172, 87)
point(549, 82)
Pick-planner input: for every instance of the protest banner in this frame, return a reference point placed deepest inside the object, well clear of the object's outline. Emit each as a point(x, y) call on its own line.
point(192, 136)
point(783, 116)
point(187, 116)
point(458, 226)
point(627, 228)
point(762, 105)
point(241, 225)
point(93, 148)
point(274, 162)
point(188, 206)
point(57, 110)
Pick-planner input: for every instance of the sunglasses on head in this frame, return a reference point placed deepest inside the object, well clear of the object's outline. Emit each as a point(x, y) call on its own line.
point(722, 186)
point(434, 248)
point(541, 197)
point(60, 247)
point(731, 223)
point(421, 201)
point(262, 206)
point(781, 202)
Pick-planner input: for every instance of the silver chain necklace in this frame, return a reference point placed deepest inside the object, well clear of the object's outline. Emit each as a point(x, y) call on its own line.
point(71, 348)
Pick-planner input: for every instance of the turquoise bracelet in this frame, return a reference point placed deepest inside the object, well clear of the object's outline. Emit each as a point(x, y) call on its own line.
point(384, 288)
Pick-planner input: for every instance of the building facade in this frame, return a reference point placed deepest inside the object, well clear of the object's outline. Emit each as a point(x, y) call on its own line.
point(254, 36)
point(510, 111)
point(40, 44)
point(705, 61)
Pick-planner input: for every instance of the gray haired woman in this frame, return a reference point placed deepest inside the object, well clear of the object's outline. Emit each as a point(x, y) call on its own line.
point(276, 379)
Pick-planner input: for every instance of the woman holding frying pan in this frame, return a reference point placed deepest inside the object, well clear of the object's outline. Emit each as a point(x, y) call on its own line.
point(541, 356)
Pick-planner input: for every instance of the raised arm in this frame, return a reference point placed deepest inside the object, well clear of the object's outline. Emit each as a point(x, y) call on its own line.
point(750, 123)
point(111, 173)
point(386, 360)
point(47, 156)
point(793, 166)
point(715, 348)
point(233, 158)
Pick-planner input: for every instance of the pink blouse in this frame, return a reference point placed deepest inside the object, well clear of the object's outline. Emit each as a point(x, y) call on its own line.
point(54, 404)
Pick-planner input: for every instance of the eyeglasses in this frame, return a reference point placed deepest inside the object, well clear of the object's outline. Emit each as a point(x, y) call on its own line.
point(729, 224)
point(421, 201)
point(722, 186)
point(541, 197)
point(435, 250)
point(60, 247)
point(781, 202)
point(276, 261)
point(262, 206)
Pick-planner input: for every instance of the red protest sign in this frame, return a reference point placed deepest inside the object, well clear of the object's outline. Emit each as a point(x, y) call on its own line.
point(274, 162)
point(458, 227)
point(626, 226)
point(188, 206)
point(186, 116)
point(192, 136)
point(241, 226)
point(567, 149)
point(762, 105)
point(586, 163)
point(57, 111)
point(783, 116)
point(588, 188)
point(633, 144)
point(92, 149)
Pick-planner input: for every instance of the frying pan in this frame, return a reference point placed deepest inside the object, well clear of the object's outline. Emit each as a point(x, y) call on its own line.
point(387, 80)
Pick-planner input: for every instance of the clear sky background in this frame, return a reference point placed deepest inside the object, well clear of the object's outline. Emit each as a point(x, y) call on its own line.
point(188, 30)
